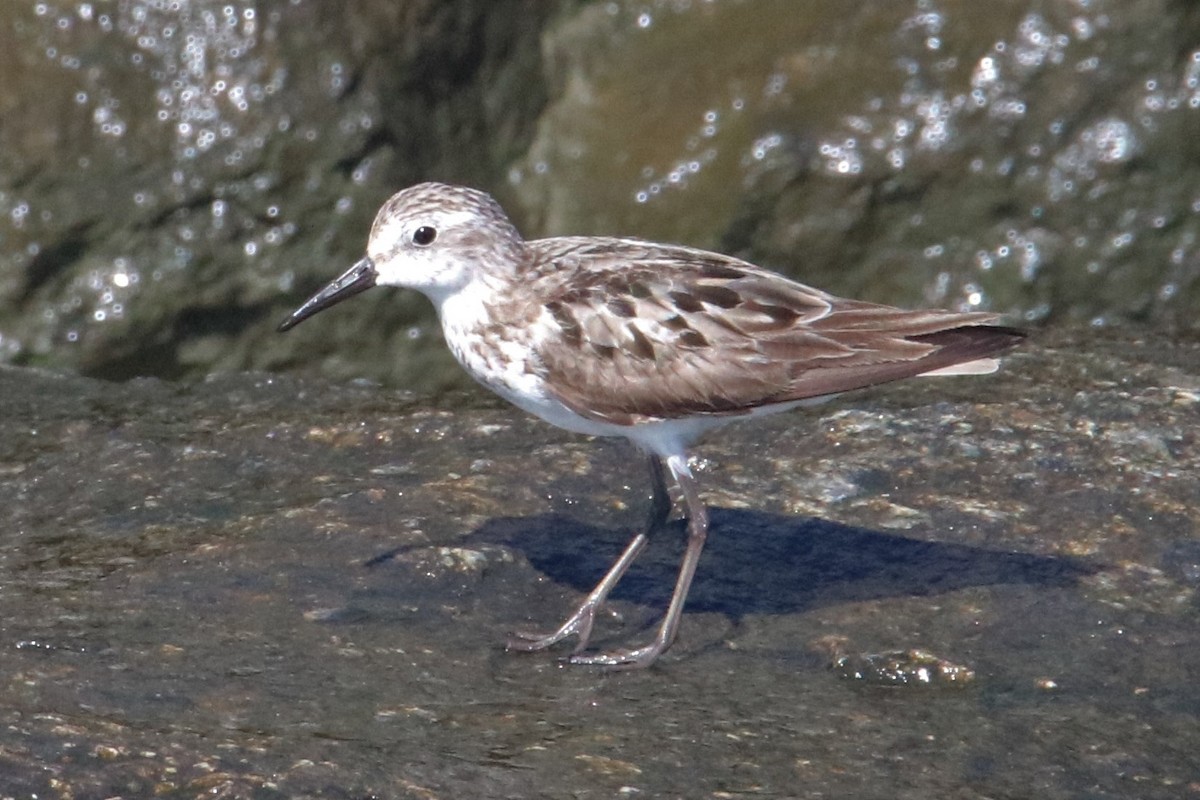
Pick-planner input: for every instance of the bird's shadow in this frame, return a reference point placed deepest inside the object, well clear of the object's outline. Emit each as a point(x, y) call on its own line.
point(760, 563)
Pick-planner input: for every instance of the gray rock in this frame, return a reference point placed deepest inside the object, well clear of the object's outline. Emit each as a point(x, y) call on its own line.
point(279, 587)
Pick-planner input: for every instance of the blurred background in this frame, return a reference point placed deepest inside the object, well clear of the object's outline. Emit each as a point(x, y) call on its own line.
point(176, 175)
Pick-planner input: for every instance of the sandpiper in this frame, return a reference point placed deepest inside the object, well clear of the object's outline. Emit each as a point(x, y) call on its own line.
point(655, 343)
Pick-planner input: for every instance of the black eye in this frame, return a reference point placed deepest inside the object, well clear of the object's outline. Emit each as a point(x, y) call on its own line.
point(424, 235)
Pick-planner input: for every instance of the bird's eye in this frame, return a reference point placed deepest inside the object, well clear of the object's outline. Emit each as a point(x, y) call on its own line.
point(424, 235)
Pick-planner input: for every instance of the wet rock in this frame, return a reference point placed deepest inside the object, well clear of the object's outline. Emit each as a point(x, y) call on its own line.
point(1025, 159)
point(171, 173)
point(271, 586)
point(907, 669)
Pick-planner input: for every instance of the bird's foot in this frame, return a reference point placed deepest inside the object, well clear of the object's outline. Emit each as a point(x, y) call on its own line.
point(622, 658)
point(578, 624)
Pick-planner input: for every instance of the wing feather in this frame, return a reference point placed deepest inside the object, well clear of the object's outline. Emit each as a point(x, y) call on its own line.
point(637, 331)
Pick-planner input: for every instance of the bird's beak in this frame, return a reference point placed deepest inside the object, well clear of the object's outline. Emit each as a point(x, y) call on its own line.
point(357, 279)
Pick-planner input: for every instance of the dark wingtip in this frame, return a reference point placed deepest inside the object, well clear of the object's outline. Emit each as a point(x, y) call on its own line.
point(968, 342)
point(1016, 334)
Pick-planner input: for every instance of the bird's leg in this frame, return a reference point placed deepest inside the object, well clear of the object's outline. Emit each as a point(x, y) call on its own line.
point(580, 623)
point(697, 533)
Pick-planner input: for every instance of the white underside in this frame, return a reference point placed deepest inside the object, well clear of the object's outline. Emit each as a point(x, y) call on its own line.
point(982, 366)
point(665, 437)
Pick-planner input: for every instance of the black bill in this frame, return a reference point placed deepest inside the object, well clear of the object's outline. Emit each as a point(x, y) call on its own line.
point(357, 279)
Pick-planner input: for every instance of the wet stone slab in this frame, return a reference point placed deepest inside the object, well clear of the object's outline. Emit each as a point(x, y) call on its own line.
point(262, 586)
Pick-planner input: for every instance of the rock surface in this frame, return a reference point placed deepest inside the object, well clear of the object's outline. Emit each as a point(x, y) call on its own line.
point(274, 587)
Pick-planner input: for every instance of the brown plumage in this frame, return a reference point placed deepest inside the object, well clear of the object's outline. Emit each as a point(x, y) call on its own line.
point(671, 332)
point(654, 343)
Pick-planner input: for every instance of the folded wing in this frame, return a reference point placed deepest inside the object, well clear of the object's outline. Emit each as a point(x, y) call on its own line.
point(643, 332)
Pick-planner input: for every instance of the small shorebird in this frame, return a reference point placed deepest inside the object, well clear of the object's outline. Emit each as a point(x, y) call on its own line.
point(655, 343)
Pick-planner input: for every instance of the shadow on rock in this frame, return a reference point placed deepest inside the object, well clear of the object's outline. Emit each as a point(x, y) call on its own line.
point(760, 563)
